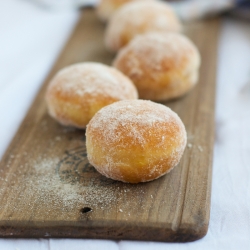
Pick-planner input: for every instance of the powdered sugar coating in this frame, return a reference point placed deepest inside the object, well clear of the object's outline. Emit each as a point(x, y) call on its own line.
point(176, 49)
point(161, 65)
point(137, 18)
point(95, 79)
point(135, 140)
point(82, 89)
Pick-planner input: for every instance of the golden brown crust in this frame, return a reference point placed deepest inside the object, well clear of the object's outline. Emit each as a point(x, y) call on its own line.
point(163, 66)
point(137, 18)
point(135, 141)
point(77, 92)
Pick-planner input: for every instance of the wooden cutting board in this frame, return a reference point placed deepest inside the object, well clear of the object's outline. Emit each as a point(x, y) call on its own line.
point(48, 188)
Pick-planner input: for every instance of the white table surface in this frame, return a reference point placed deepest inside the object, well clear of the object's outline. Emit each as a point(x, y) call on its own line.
point(31, 39)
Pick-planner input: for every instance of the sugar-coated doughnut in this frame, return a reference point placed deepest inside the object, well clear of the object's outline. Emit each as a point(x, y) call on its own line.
point(106, 8)
point(163, 66)
point(77, 92)
point(135, 140)
point(138, 18)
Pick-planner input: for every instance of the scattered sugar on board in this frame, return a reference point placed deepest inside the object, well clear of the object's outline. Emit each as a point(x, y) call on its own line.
point(39, 190)
point(42, 187)
point(68, 195)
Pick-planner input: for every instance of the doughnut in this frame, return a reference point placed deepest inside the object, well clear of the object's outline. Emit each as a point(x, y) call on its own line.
point(138, 18)
point(135, 140)
point(163, 66)
point(78, 91)
point(106, 8)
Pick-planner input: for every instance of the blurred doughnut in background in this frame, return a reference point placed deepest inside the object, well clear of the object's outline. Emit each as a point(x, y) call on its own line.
point(106, 8)
point(186, 9)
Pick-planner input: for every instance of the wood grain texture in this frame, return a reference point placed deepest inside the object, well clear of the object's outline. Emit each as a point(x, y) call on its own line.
point(47, 185)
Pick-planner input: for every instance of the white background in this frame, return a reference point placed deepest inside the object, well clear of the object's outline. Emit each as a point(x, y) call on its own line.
point(30, 40)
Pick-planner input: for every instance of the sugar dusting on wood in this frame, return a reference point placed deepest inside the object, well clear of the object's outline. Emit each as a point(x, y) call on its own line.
point(39, 186)
point(68, 196)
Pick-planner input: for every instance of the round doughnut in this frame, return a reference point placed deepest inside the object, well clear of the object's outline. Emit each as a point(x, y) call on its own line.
point(135, 140)
point(163, 66)
point(138, 18)
point(106, 8)
point(77, 92)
